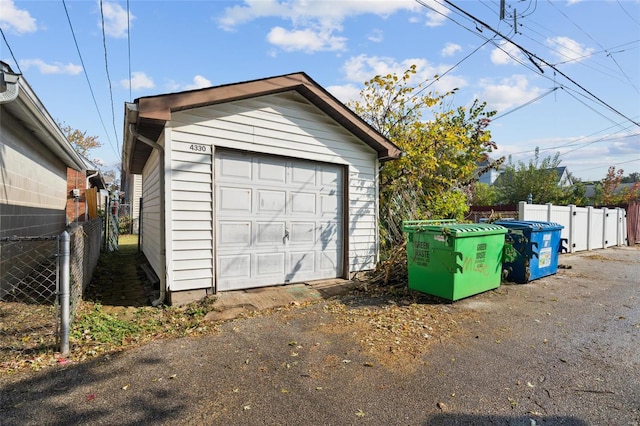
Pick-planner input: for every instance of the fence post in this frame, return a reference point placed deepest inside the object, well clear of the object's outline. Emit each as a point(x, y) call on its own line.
point(572, 228)
point(549, 212)
point(522, 210)
point(589, 226)
point(605, 213)
point(64, 292)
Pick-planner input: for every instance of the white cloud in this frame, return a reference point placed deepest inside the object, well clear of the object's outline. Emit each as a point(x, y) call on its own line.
point(508, 93)
point(346, 93)
point(115, 20)
point(437, 14)
point(307, 40)
point(450, 49)
point(566, 49)
point(14, 19)
point(505, 54)
point(376, 35)
point(199, 82)
point(139, 81)
point(315, 22)
point(54, 68)
point(359, 69)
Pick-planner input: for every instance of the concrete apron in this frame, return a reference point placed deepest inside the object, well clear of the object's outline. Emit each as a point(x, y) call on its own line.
point(230, 304)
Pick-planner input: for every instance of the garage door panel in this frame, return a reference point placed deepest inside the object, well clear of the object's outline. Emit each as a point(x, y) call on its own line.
point(329, 205)
point(272, 201)
point(303, 203)
point(234, 266)
point(301, 262)
point(233, 166)
point(304, 176)
point(302, 233)
point(329, 177)
point(235, 199)
point(270, 264)
point(329, 261)
point(272, 170)
point(271, 233)
point(234, 233)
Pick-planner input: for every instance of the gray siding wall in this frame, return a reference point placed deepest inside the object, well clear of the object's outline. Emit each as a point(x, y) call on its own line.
point(288, 125)
point(33, 184)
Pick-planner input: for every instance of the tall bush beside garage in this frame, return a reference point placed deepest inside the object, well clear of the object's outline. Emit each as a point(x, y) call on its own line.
point(442, 149)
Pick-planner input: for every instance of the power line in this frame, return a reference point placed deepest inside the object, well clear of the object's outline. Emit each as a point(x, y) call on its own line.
point(537, 98)
point(84, 69)
point(628, 14)
point(533, 55)
point(106, 66)
point(10, 51)
point(129, 47)
point(597, 167)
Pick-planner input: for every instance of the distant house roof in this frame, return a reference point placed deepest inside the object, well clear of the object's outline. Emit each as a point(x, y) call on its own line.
point(19, 99)
point(590, 189)
point(149, 114)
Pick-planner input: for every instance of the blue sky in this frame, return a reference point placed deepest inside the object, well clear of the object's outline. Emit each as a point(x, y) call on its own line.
point(594, 47)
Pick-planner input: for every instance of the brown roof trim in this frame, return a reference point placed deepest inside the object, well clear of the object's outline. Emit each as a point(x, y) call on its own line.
point(159, 108)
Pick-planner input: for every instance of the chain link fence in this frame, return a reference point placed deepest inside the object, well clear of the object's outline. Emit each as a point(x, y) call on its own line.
point(29, 284)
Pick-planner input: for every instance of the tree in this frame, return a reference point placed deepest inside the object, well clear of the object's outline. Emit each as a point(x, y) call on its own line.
point(632, 178)
point(608, 192)
point(538, 178)
point(484, 195)
point(80, 141)
point(441, 155)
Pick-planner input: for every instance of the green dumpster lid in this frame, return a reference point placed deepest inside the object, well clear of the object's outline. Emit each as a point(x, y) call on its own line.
point(458, 229)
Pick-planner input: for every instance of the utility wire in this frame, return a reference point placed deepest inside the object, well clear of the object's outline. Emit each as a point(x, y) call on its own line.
point(84, 68)
point(596, 42)
point(10, 51)
point(617, 164)
point(106, 66)
point(129, 47)
point(537, 98)
point(533, 55)
point(628, 14)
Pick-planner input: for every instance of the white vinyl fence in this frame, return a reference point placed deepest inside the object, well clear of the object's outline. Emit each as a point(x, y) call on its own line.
point(585, 228)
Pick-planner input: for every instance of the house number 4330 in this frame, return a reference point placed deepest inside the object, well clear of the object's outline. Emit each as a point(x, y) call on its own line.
point(198, 148)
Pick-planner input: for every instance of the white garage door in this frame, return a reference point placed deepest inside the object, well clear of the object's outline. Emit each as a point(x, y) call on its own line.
point(278, 220)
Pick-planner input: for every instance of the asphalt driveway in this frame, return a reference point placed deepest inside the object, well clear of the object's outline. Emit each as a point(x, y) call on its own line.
point(560, 350)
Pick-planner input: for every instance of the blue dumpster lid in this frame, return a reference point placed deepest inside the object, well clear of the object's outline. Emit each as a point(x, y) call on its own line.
point(447, 226)
point(536, 225)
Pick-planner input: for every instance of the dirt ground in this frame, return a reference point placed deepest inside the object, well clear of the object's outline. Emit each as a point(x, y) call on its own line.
point(559, 350)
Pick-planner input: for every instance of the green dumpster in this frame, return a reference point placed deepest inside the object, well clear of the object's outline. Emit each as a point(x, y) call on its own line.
point(452, 260)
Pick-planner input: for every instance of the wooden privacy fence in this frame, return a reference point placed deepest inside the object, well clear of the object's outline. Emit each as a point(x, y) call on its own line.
point(585, 228)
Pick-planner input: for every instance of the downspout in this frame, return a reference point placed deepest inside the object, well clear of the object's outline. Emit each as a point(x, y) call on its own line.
point(163, 248)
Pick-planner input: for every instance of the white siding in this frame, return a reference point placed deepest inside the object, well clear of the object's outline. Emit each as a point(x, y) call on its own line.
point(290, 126)
point(191, 227)
point(151, 213)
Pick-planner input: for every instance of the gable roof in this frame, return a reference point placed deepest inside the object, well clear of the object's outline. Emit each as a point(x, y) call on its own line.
point(18, 98)
point(149, 114)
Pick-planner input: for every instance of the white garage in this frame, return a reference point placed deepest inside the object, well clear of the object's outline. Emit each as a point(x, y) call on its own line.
point(253, 184)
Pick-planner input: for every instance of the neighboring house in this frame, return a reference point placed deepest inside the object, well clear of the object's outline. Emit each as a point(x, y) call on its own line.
point(34, 158)
point(132, 189)
point(84, 192)
point(253, 184)
point(563, 176)
point(488, 176)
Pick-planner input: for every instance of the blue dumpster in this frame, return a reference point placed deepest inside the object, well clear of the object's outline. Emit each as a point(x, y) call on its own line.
point(537, 246)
